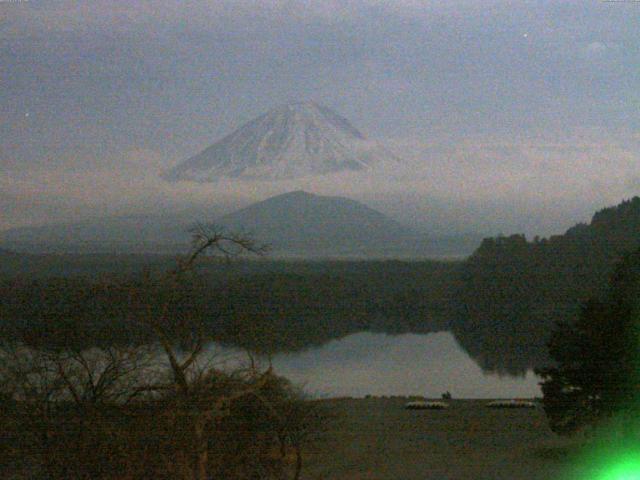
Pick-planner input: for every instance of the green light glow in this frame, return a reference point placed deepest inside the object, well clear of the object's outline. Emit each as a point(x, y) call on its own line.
point(609, 455)
point(624, 469)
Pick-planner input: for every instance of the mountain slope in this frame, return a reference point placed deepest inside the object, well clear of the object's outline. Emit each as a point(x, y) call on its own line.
point(295, 223)
point(289, 141)
point(303, 223)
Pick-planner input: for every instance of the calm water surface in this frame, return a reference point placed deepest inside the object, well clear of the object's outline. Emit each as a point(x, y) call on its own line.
point(411, 364)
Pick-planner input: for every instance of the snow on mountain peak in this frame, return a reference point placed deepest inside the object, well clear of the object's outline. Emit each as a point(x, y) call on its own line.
point(289, 141)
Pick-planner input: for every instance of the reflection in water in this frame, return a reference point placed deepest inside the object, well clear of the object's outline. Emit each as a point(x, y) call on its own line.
point(410, 364)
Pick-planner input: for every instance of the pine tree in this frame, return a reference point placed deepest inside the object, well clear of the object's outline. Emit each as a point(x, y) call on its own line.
point(597, 358)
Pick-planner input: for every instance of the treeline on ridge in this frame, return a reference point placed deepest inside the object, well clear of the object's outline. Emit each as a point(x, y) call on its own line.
point(513, 290)
point(264, 307)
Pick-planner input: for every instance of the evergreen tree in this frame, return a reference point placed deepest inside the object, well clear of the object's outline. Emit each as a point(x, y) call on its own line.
point(597, 357)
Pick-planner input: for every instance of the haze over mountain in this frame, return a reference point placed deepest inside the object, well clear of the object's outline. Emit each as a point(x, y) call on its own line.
point(289, 141)
point(123, 234)
point(295, 223)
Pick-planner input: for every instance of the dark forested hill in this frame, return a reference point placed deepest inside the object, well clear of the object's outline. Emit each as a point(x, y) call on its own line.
point(264, 306)
point(514, 290)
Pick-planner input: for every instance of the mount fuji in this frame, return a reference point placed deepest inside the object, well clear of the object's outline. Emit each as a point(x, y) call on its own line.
point(289, 141)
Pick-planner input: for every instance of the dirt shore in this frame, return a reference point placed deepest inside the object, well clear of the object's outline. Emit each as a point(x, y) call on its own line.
point(376, 438)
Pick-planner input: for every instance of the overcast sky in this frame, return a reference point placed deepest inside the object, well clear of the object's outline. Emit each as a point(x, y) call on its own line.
point(510, 115)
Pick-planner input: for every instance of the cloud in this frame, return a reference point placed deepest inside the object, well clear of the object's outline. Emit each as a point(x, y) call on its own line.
point(126, 15)
point(123, 16)
point(486, 184)
point(596, 48)
point(118, 90)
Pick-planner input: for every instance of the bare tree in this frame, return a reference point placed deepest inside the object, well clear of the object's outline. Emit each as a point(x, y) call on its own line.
point(197, 396)
point(84, 403)
point(59, 401)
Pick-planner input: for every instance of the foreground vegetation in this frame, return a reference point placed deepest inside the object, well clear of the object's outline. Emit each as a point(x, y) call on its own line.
point(596, 372)
point(148, 405)
point(57, 423)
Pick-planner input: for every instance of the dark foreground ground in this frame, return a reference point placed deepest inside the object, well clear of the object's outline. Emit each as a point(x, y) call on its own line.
point(377, 438)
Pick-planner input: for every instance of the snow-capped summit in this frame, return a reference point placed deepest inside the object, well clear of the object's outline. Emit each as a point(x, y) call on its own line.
point(289, 141)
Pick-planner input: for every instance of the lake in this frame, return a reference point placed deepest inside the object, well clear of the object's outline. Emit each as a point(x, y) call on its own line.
point(410, 364)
